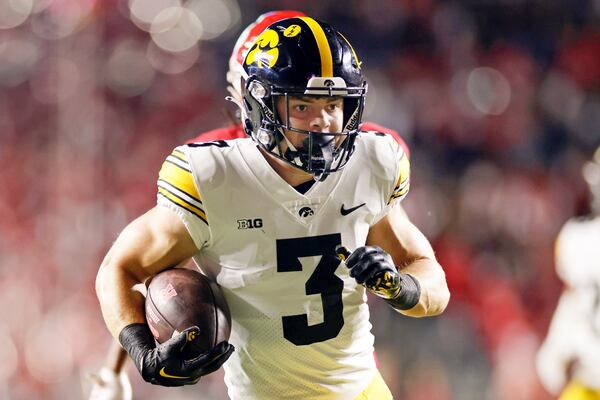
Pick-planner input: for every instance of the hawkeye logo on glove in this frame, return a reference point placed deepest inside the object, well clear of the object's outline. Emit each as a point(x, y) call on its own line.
point(191, 335)
point(164, 374)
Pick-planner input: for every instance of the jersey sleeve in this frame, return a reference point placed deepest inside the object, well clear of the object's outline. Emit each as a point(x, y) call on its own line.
point(395, 177)
point(402, 181)
point(177, 190)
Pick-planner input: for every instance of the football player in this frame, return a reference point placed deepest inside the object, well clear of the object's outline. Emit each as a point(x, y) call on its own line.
point(111, 382)
point(568, 361)
point(315, 183)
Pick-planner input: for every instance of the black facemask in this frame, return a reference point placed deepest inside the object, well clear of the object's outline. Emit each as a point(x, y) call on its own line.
point(317, 154)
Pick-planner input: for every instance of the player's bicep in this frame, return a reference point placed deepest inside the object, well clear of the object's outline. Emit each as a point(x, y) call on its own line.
point(395, 234)
point(153, 242)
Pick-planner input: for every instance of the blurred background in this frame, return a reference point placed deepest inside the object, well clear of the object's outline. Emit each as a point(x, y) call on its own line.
point(498, 100)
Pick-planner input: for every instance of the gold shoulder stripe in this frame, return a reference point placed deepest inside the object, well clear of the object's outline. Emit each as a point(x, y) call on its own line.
point(179, 154)
point(180, 178)
point(403, 182)
point(170, 188)
point(402, 186)
point(178, 163)
point(398, 196)
point(403, 189)
point(323, 45)
point(403, 170)
point(403, 193)
point(198, 212)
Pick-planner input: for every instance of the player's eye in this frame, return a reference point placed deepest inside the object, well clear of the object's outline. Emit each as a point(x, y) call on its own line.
point(300, 107)
point(333, 106)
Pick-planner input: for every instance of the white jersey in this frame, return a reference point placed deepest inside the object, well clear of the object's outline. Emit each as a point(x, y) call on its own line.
point(574, 334)
point(578, 252)
point(300, 323)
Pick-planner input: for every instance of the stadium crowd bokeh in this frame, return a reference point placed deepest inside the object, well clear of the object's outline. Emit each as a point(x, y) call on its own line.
point(498, 100)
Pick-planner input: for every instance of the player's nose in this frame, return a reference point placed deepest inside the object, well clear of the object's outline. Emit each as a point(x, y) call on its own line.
point(320, 122)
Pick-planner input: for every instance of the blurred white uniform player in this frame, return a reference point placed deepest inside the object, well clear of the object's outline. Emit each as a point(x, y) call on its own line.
point(569, 360)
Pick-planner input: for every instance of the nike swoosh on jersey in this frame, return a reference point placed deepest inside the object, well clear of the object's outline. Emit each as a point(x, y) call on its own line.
point(163, 373)
point(349, 210)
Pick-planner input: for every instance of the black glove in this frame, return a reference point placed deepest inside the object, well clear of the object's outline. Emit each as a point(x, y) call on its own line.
point(374, 268)
point(169, 364)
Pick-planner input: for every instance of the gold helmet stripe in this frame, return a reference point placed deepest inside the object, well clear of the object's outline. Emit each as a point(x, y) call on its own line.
point(323, 44)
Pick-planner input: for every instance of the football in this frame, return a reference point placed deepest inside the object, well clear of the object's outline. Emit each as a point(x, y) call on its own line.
point(178, 298)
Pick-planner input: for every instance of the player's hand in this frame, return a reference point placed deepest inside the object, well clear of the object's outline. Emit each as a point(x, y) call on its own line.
point(373, 267)
point(169, 363)
point(165, 364)
point(107, 385)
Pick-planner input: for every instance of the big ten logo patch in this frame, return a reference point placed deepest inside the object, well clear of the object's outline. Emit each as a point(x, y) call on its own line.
point(251, 223)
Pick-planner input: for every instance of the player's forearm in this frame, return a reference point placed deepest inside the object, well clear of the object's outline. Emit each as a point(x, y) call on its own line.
point(151, 243)
point(434, 291)
point(121, 304)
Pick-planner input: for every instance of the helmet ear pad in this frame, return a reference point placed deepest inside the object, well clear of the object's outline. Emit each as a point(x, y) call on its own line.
point(253, 115)
point(258, 119)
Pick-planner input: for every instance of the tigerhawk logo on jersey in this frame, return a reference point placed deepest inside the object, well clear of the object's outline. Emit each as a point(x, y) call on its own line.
point(251, 223)
point(306, 212)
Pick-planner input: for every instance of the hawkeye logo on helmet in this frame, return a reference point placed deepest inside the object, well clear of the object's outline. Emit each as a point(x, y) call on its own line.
point(264, 52)
point(331, 86)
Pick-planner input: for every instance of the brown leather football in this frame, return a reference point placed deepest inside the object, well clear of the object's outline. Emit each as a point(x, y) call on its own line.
point(180, 298)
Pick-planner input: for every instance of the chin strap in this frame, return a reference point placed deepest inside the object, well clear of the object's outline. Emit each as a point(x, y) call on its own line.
point(323, 146)
point(318, 152)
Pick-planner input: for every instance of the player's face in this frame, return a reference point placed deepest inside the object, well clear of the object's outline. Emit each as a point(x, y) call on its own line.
point(311, 113)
